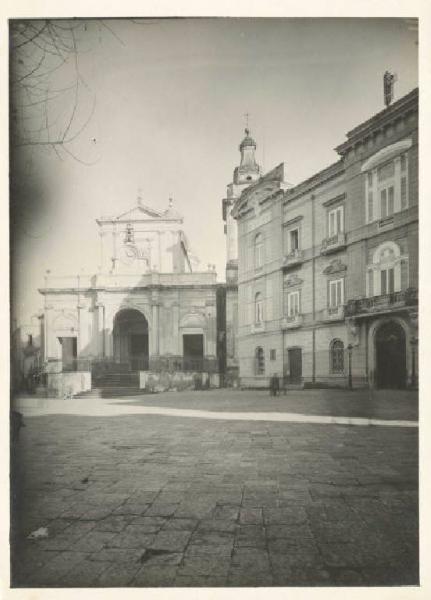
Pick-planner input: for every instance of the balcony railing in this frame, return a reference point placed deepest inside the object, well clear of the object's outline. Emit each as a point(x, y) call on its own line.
point(333, 313)
point(291, 322)
point(295, 257)
point(333, 243)
point(386, 302)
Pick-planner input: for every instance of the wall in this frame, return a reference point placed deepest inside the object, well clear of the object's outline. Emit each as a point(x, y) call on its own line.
point(66, 385)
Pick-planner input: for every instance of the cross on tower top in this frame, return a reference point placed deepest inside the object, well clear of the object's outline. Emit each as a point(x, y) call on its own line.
point(246, 115)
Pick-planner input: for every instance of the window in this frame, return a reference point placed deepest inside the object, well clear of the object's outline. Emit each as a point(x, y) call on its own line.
point(387, 281)
point(336, 352)
point(336, 293)
point(335, 221)
point(386, 182)
point(293, 304)
point(258, 308)
point(386, 202)
point(384, 274)
point(293, 240)
point(259, 361)
point(258, 251)
point(272, 355)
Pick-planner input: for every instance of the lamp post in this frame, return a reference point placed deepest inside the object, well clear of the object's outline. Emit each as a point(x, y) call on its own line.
point(349, 350)
point(413, 343)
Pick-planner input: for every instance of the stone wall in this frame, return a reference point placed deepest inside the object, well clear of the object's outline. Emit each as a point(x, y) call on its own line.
point(66, 385)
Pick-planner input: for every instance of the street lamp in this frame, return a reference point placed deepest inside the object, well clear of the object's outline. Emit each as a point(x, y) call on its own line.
point(413, 343)
point(349, 350)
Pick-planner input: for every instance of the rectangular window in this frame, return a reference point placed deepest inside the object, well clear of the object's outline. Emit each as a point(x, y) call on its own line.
point(403, 162)
point(336, 221)
point(293, 304)
point(383, 204)
point(259, 311)
point(403, 192)
point(370, 283)
point(370, 206)
point(390, 200)
point(387, 281)
point(336, 293)
point(272, 355)
point(293, 240)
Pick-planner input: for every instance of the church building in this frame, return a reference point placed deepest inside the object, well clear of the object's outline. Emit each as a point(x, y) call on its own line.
point(146, 311)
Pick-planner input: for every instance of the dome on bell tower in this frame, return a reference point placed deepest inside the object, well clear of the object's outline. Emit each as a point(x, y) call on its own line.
point(248, 170)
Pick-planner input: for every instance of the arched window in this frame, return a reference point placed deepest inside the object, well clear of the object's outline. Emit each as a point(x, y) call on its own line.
point(336, 356)
point(259, 361)
point(258, 251)
point(386, 181)
point(258, 308)
point(384, 275)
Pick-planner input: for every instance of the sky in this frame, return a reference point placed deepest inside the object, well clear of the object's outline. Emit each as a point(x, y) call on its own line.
point(166, 101)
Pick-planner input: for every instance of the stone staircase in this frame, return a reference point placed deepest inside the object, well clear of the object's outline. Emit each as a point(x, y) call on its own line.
point(114, 384)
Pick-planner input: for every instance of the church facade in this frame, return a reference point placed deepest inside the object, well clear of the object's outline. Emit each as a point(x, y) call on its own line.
point(146, 310)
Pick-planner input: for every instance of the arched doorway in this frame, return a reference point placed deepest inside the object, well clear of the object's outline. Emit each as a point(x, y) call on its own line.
point(131, 339)
point(390, 356)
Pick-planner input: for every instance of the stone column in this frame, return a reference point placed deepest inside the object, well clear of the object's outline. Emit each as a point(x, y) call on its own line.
point(176, 345)
point(210, 349)
point(100, 330)
point(155, 330)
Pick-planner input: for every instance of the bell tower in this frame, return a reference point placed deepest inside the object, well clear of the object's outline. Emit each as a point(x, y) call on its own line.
point(244, 175)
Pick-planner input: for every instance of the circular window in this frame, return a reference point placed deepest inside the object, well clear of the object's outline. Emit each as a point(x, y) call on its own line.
point(249, 178)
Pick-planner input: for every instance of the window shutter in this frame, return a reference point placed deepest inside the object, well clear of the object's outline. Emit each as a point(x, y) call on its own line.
point(403, 192)
point(390, 200)
point(370, 206)
point(383, 205)
point(383, 288)
point(404, 275)
point(370, 283)
point(391, 281)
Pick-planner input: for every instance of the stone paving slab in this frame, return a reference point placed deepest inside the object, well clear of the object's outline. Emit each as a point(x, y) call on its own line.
point(150, 501)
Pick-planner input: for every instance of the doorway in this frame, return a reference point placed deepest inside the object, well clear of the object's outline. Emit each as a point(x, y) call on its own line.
point(193, 351)
point(69, 353)
point(391, 356)
point(131, 339)
point(295, 364)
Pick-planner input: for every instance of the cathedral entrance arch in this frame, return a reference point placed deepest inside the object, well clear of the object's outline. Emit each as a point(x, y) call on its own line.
point(391, 369)
point(130, 335)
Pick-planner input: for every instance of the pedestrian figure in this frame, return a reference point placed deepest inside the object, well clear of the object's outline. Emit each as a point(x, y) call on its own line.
point(274, 385)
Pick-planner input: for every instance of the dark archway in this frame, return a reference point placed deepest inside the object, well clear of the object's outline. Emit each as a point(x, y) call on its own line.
point(131, 339)
point(391, 369)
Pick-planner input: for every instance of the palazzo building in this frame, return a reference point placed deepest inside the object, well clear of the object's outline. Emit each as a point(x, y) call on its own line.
point(328, 268)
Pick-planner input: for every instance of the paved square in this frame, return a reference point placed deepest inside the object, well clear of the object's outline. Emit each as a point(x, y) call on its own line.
point(165, 500)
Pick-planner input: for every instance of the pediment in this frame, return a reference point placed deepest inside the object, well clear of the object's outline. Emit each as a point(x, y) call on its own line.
point(335, 266)
point(293, 280)
point(142, 212)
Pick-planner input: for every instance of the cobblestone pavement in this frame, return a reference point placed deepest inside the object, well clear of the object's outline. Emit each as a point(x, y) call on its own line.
point(149, 501)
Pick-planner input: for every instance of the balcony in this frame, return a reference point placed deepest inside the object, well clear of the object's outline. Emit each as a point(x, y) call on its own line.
point(295, 257)
point(385, 303)
point(258, 327)
point(333, 313)
point(333, 243)
point(291, 322)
